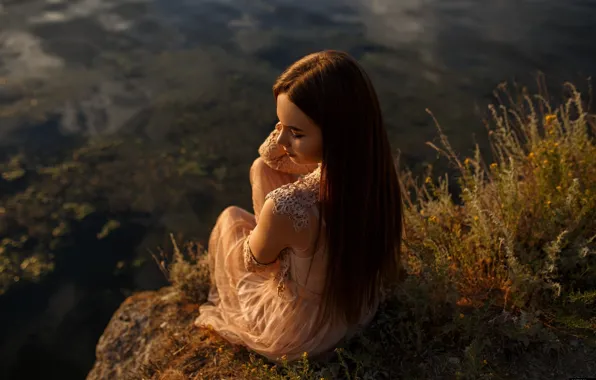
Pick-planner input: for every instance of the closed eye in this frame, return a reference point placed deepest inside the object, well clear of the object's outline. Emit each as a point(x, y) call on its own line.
point(296, 132)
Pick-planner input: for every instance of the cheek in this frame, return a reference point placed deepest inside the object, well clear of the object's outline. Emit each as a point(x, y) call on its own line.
point(307, 148)
point(301, 146)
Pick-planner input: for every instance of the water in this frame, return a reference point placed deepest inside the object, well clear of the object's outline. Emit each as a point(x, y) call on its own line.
point(169, 100)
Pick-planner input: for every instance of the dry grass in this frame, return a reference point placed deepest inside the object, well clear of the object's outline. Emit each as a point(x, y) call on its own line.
point(504, 274)
point(187, 271)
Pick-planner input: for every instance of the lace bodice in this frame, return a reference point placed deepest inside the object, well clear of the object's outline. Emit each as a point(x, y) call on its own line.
point(296, 199)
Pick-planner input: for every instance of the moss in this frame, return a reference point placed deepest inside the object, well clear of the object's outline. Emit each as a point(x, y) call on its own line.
point(110, 226)
point(13, 174)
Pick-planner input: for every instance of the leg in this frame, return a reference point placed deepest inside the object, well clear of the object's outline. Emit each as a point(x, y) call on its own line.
point(263, 180)
point(224, 260)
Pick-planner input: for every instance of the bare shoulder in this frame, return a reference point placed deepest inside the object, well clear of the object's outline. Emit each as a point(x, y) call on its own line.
point(274, 219)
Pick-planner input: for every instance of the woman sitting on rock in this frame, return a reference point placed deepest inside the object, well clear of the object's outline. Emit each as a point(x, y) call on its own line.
point(306, 270)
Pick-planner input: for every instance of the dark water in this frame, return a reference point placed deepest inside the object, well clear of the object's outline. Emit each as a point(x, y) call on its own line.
point(179, 94)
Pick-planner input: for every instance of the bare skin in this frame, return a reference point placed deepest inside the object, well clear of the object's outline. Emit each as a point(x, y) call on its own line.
point(299, 136)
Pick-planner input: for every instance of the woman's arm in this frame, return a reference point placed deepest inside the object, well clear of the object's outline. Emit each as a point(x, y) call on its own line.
point(264, 179)
point(274, 232)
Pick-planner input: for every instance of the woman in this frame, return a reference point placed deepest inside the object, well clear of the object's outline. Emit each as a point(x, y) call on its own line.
point(305, 271)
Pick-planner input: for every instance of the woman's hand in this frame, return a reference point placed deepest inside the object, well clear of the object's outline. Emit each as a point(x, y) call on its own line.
point(274, 155)
point(270, 150)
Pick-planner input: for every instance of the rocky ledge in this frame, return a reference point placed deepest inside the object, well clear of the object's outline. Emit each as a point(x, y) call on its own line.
point(140, 331)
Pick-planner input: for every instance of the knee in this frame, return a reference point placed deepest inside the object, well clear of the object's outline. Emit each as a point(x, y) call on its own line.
point(231, 211)
point(233, 216)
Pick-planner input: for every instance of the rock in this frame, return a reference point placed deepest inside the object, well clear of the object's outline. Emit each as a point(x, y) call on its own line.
point(140, 328)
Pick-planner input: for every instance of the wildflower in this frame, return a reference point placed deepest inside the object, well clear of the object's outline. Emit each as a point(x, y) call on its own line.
point(422, 212)
point(548, 203)
point(220, 350)
point(559, 188)
point(531, 155)
point(493, 166)
point(461, 316)
point(545, 162)
point(304, 355)
point(467, 161)
point(433, 219)
point(476, 218)
point(484, 361)
point(549, 118)
point(556, 145)
point(428, 180)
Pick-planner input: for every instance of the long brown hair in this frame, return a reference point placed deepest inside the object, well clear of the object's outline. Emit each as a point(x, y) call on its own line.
point(360, 193)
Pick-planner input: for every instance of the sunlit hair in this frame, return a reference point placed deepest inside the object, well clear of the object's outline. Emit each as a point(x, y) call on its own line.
point(360, 193)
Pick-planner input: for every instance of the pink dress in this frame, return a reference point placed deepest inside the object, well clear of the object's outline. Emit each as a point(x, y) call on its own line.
point(271, 309)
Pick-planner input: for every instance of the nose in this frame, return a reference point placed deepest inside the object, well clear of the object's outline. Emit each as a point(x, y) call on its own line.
point(283, 138)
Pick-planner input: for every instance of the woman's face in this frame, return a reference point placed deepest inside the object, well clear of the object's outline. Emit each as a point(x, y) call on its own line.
point(299, 136)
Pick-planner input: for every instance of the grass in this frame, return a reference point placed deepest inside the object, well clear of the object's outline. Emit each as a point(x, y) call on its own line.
point(501, 262)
